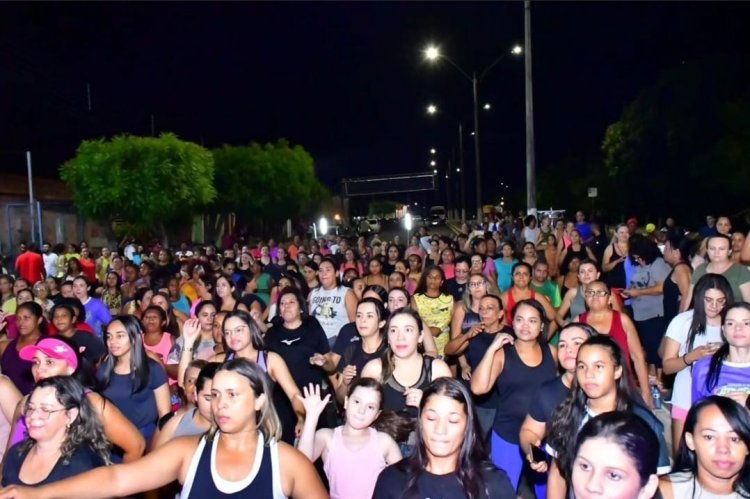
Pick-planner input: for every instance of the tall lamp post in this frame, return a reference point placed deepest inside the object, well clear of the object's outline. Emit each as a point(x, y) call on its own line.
point(530, 156)
point(432, 110)
point(432, 53)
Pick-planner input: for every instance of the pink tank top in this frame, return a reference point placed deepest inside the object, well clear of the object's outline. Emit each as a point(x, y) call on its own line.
point(162, 350)
point(353, 473)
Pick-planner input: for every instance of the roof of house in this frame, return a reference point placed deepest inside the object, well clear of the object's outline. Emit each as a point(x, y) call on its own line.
point(45, 189)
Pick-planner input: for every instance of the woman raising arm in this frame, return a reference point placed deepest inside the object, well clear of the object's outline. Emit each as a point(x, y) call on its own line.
point(240, 398)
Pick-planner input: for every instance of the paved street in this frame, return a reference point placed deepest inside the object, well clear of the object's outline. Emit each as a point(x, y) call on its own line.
point(388, 230)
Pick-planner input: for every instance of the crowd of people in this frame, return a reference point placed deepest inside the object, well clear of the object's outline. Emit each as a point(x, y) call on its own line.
point(520, 356)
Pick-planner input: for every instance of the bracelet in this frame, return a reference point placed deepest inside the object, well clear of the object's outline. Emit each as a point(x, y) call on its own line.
point(684, 361)
point(187, 349)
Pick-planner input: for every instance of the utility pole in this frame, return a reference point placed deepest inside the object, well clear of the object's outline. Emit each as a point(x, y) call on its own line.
point(463, 170)
point(32, 225)
point(477, 167)
point(530, 158)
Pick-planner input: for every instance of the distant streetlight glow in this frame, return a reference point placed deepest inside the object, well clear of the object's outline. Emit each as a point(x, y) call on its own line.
point(434, 171)
point(407, 221)
point(323, 224)
point(431, 53)
point(433, 163)
point(431, 109)
point(432, 151)
point(458, 170)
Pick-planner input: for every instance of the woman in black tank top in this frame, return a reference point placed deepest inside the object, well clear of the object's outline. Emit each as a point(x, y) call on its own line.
point(514, 369)
point(576, 250)
point(404, 371)
point(677, 283)
point(614, 257)
point(245, 438)
point(226, 295)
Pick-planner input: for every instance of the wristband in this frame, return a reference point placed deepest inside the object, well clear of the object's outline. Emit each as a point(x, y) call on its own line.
point(684, 361)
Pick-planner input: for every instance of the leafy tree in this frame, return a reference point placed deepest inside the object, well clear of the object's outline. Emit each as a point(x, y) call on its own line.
point(681, 147)
point(149, 182)
point(267, 183)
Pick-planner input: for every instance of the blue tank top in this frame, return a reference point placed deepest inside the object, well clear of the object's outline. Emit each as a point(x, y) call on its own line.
point(470, 319)
point(261, 360)
point(204, 481)
point(516, 387)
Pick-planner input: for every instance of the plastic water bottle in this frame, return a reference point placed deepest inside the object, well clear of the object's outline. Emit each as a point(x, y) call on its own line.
point(656, 396)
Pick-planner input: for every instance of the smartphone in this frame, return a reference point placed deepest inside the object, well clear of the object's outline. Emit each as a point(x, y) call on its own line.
point(714, 345)
point(538, 455)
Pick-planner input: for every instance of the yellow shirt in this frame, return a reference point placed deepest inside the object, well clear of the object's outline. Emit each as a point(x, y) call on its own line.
point(436, 312)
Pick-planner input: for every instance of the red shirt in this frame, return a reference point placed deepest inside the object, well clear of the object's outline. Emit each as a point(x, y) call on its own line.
point(30, 266)
point(88, 267)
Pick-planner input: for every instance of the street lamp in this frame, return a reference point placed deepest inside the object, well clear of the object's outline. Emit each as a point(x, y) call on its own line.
point(461, 169)
point(433, 163)
point(431, 109)
point(487, 107)
point(432, 151)
point(432, 53)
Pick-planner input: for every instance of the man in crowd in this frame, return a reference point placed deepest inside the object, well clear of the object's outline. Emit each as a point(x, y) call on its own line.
point(541, 284)
point(30, 265)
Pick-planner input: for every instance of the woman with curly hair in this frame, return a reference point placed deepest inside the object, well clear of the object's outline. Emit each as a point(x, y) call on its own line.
point(65, 436)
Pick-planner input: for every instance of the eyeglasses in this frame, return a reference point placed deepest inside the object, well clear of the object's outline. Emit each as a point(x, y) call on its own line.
point(236, 331)
point(477, 284)
point(598, 293)
point(44, 412)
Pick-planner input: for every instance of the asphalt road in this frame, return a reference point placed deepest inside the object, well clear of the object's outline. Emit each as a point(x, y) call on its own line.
point(388, 230)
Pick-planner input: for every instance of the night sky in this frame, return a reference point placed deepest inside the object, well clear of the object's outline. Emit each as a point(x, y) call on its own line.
point(345, 80)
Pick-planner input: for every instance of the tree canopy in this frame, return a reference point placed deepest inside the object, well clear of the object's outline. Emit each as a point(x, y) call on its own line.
point(147, 181)
point(270, 182)
point(680, 148)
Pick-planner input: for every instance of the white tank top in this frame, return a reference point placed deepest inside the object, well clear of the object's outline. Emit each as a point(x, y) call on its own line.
point(685, 485)
point(329, 307)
